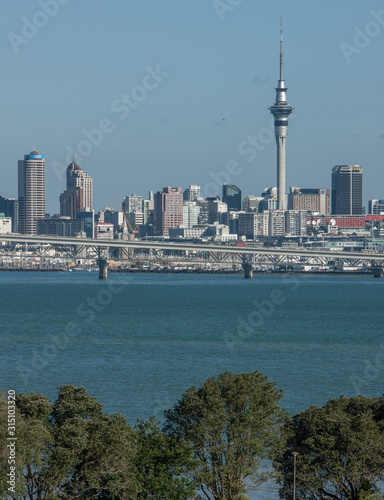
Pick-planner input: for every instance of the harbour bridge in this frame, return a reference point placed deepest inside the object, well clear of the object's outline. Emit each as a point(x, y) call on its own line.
point(247, 256)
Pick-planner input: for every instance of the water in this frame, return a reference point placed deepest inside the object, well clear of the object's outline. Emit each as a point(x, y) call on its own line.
point(137, 342)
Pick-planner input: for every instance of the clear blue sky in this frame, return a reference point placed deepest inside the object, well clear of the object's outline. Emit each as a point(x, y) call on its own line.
point(217, 65)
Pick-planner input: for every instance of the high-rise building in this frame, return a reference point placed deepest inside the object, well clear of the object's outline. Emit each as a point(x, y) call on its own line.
point(347, 190)
point(232, 197)
point(281, 111)
point(133, 203)
point(134, 207)
point(31, 191)
point(204, 210)
point(136, 218)
point(269, 199)
point(216, 210)
point(253, 224)
point(276, 223)
point(251, 203)
point(10, 208)
point(296, 222)
point(312, 200)
point(191, 193)
point(148, 209)
point(88, 217)
point(168, 210)
point(375, 207)
point(78, 196)
point(114, 217)
point(191, 214)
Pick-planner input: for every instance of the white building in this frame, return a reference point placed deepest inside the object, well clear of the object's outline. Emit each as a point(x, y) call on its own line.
point(191, 193)
point(202, 231)
point(376, 207)
point(133, 203)
point(191, 213)
point(104, 230)
point(5, 224)
point(276, 225)
point(296, 222)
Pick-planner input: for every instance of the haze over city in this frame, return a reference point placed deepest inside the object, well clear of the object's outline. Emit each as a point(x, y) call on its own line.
point(63, 76)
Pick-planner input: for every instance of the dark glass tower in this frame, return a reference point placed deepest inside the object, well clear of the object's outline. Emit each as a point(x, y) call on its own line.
point(10, 208)
point(347, 190)
point(232, 197)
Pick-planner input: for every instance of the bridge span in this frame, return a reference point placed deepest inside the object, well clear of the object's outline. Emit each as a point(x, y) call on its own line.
point(246, 255)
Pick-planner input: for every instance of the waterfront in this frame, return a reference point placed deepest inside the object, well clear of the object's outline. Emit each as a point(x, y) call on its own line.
point(137, 341)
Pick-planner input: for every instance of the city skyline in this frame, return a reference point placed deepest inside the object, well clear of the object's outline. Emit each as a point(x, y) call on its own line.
point(195, 105)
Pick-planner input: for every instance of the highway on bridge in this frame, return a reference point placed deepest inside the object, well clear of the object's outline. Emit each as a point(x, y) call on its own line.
point(101, 246)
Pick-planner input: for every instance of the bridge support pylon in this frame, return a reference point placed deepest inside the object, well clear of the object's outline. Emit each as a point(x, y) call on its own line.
point(248, 271)
point(377, 271)
point(103, 268)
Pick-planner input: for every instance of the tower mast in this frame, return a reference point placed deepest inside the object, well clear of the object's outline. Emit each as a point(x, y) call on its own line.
point(281, 111)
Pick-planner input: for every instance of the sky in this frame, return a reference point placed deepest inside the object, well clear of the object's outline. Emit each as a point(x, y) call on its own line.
point(152, 93)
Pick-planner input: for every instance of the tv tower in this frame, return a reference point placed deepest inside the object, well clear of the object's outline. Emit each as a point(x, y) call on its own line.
point(281, 111)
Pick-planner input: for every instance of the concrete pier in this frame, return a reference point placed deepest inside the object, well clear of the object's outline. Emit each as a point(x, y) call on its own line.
point(103, 268)
point(248, 271)
point(378, 272)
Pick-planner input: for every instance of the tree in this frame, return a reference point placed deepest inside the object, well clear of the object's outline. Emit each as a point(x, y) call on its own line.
point(93, 450)
point(231, 422)
point(161, 464)
point(71, 450)
point(33, 443)
point(341, 450)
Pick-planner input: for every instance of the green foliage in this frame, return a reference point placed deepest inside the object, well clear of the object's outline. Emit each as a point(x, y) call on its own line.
point(72, 450)
point(341, 450)
point(161, 464)
point(231, 422)
point(92, 451)
point(32, 445)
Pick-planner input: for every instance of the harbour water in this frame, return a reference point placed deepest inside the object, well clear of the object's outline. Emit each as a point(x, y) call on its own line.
point(138, 341)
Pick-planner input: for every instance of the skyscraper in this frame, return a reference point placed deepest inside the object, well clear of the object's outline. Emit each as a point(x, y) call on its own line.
point(347, 190)
point(133, 203)
point(168, 210)
point(191, 193)
point(10, 208)
point(31, 190)
point(191, 213)
point(281, 111)
point(78, 195)
point(232, 197)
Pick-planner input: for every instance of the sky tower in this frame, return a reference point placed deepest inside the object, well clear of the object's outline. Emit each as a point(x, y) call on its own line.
point(281, 111)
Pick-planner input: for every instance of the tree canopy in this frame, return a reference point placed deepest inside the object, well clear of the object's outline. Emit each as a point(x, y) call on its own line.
point(73, 450)
point(162, 463)
point(212, 443)
point(341, 450)
point(232, 422)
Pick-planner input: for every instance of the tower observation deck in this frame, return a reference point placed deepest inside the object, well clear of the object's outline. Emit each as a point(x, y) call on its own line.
point(281, 111)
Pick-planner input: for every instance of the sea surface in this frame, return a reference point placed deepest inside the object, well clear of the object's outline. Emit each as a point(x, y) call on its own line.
point(138, 341)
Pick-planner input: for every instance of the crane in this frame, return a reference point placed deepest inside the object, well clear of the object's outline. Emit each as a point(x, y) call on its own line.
point(133, 231)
